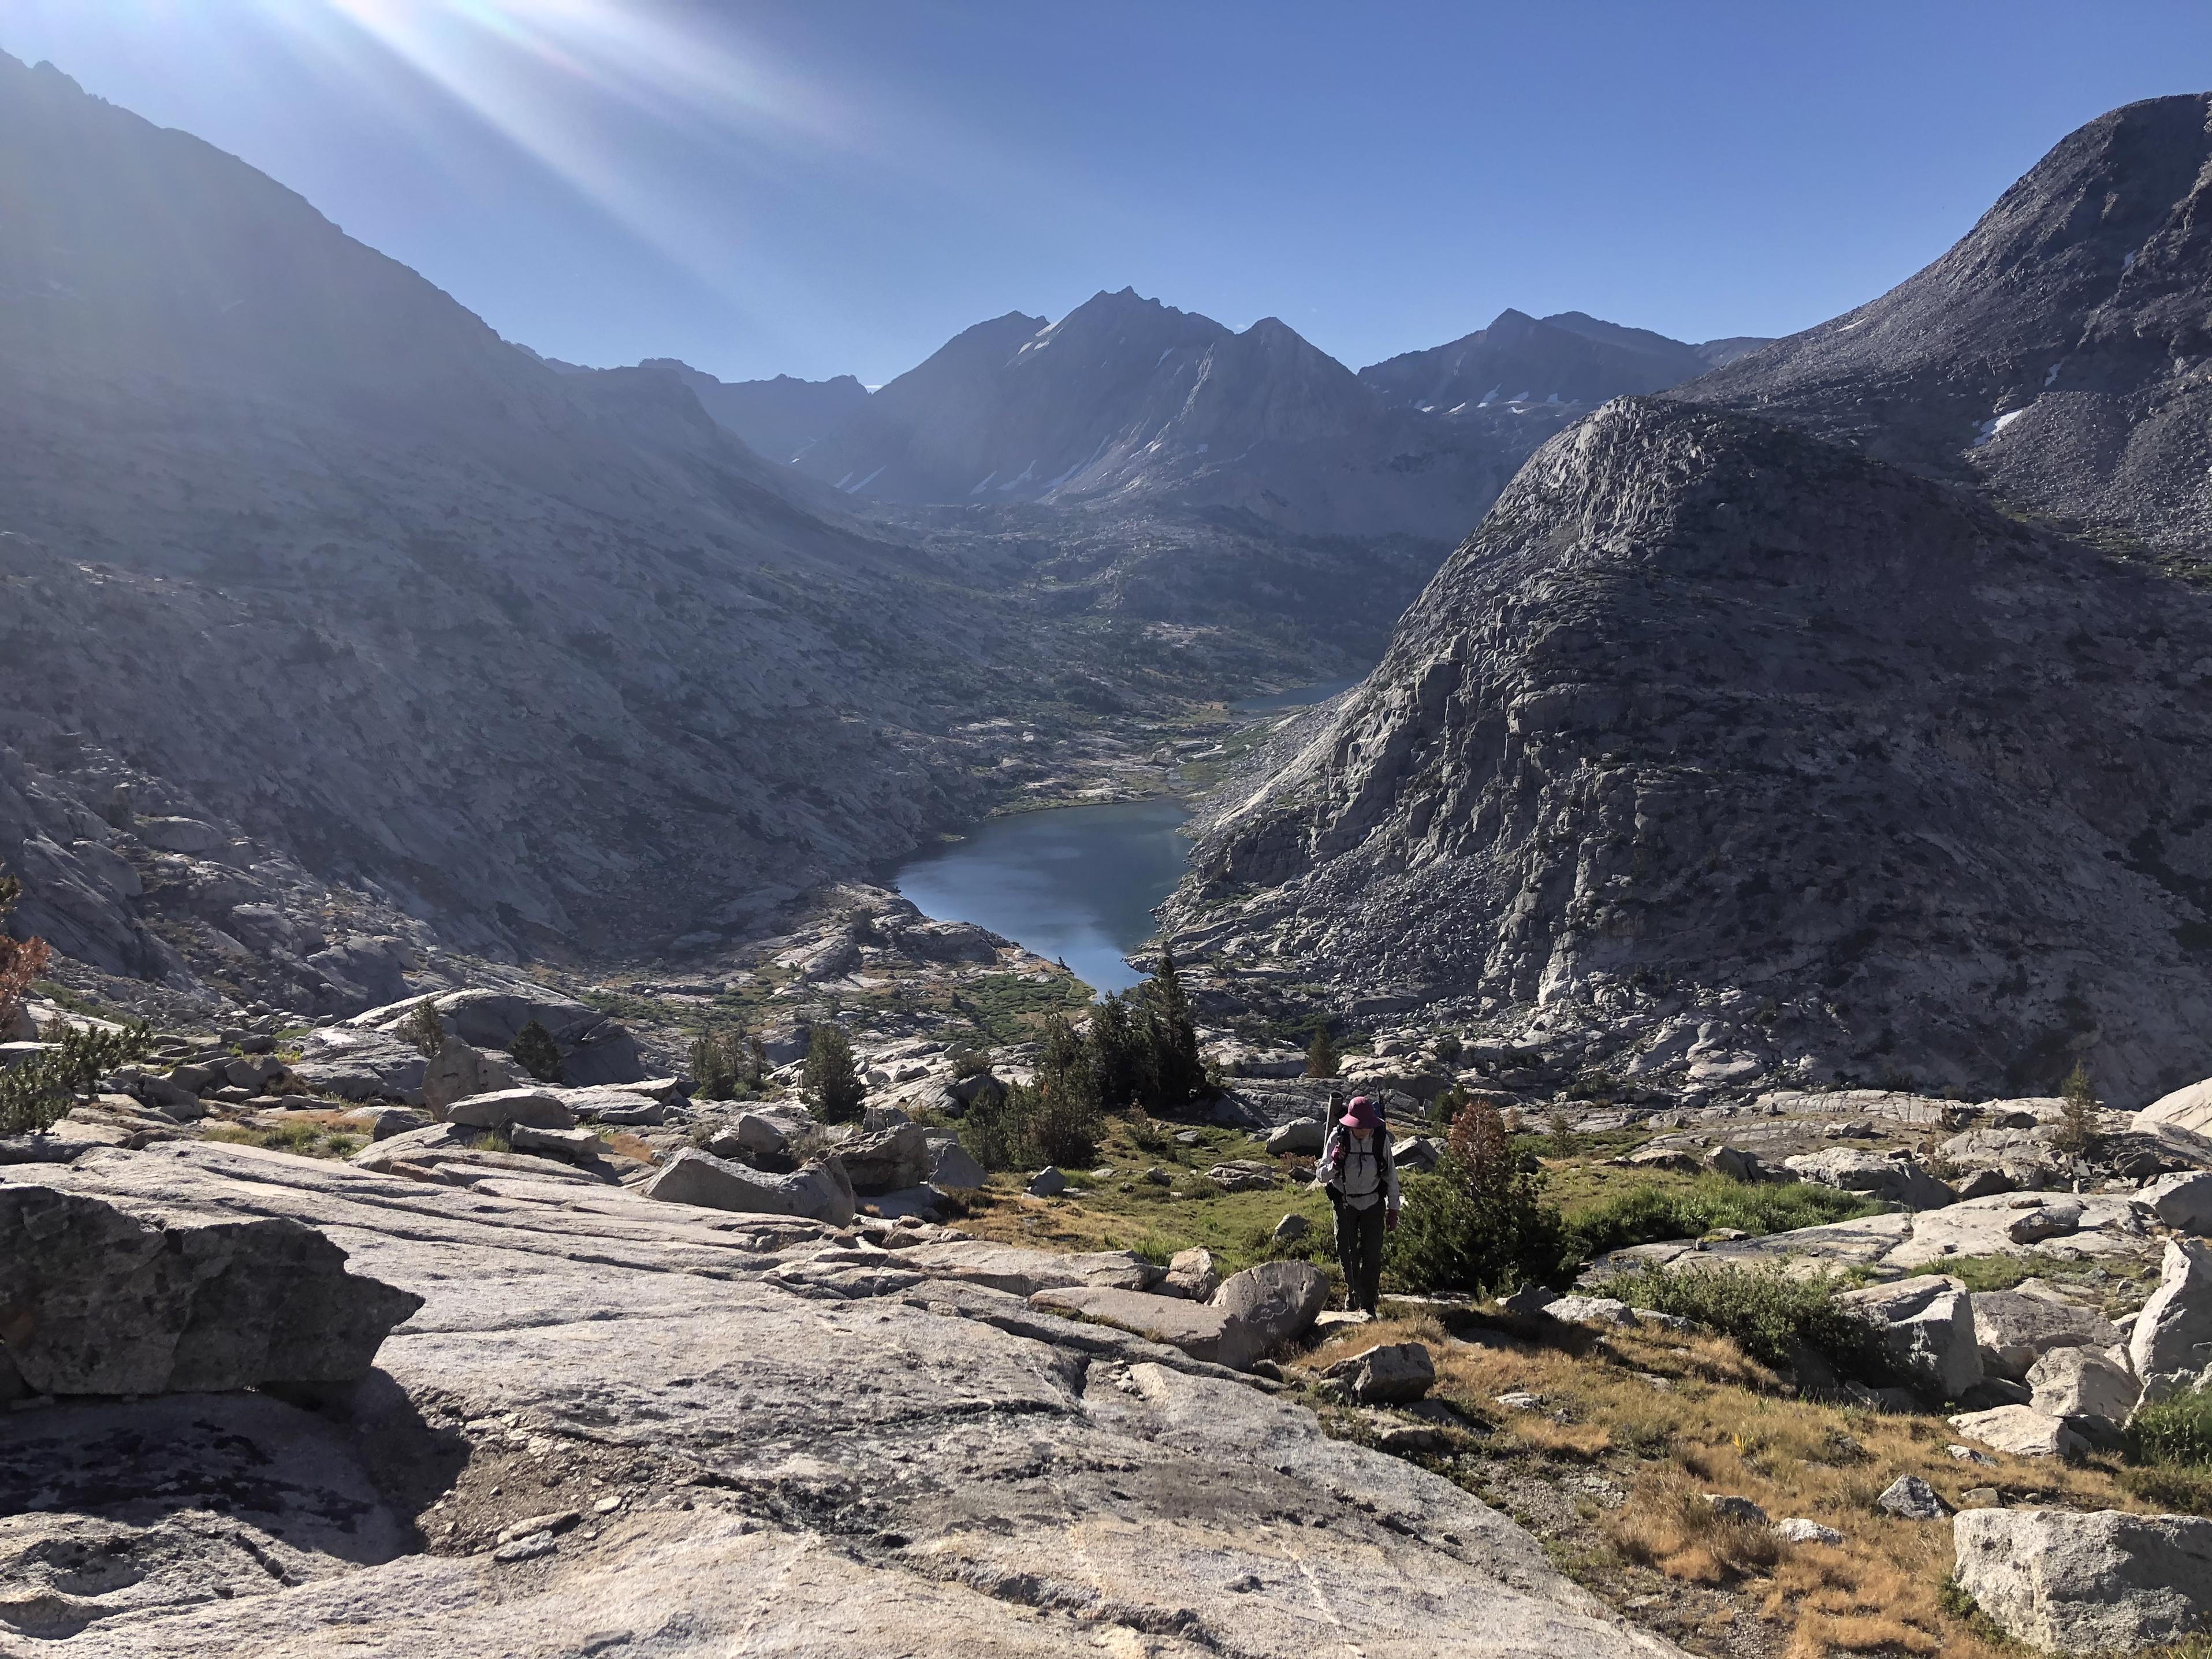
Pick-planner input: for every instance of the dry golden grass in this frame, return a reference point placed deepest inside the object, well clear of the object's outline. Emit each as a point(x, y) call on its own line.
point(627, 1145)
point(1670, 1418)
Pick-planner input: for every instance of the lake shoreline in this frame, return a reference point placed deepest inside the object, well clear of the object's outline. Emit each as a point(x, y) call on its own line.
point(1081, 882)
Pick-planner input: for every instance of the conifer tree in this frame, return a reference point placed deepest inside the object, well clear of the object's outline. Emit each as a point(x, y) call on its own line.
point(2080, 1124)
point(536, 1052)
point(1171, 1034)
point(1117, 1060)
point(1321, 1057)
point(831, 1078)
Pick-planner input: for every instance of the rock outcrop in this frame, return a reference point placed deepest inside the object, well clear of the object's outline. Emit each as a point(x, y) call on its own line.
point(129, 1295)
point(918, 1466)
point(2102, 1583)
point(1739, 753)
point(819, 1192)
point(2170, 1344)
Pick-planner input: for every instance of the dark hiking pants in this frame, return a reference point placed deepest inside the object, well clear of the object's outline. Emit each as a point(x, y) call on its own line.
point(1360, 1252)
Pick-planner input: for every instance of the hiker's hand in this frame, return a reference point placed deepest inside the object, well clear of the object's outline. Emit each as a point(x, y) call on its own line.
point(1390, 1220)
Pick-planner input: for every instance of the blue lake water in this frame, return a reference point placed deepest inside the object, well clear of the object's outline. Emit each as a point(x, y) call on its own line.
point(1298, 696)
point(1077, 884)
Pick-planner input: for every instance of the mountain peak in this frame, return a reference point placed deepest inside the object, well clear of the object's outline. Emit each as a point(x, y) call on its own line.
point(2052, 351)
point(1571, 359)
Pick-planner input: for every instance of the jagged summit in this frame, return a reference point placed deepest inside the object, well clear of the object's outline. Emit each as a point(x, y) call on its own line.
point(1775, 755)
point(2059, 352)
point(1570, 358)
point(1127, 400)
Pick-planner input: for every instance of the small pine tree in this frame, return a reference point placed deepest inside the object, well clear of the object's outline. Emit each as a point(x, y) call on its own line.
point(713, 1075)
point(1171, 1037)
point(536, 1052)
point(1117, 1059)
point(831, 1078)
point(1561, 1130)
point(1480, 1220)
point(1063, 1117)
point(35, 1093)
point(423, 1028)
point(22, 960)
point(1321, 1057)
point(755, 1069)
point(2081, 1124)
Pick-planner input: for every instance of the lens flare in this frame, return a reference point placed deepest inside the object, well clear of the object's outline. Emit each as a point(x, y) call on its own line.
point(570, 82)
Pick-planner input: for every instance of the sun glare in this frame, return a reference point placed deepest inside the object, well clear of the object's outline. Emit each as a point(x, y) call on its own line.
point(520, 64)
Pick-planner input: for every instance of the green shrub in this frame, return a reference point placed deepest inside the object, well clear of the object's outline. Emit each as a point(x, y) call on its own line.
point(1479, 1220)
point(2177, 1430)
point(536, 1052)
point(2173, 1488)
point(832, 1080)
point(423, 1028)
point(36, 1093)
point(969, 1062)
point(1651, 1214)
point(1767, 1310)
point(727, 1065)
point(1052, 1119)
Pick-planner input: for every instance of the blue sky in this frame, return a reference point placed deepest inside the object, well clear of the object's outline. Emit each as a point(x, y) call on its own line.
point(837, 186)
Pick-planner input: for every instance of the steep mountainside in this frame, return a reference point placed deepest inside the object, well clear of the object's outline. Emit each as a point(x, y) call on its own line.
point(2061, 352)
point(1570, 358)
point(1721, 748)
point(777, 419)
point(1126, 402)
point(398, 620)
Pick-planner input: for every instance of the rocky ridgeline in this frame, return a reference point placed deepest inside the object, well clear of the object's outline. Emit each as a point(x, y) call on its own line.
point(2058, 355)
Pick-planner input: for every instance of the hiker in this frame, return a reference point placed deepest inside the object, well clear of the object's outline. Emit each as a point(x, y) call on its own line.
point(1361, 1179)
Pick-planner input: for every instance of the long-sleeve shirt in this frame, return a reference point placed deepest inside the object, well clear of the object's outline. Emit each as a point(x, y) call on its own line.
point(1360, 1170)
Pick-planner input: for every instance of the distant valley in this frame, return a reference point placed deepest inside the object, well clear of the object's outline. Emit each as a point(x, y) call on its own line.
point(343, 636)
point(341, 632)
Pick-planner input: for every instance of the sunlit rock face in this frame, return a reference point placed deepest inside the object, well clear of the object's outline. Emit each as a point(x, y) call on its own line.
point(2060, 353)
point(1733, 744)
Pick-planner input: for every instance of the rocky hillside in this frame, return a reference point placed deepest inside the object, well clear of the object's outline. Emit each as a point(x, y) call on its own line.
point(2059, 353)
point(1745, 752)
point(327, 614)
point(1571, 358)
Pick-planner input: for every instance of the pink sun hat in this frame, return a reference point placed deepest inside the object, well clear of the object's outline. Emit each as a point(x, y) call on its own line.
point(1361, 1113)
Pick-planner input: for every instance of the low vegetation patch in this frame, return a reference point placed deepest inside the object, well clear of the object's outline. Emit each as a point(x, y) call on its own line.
point(1652, 1212)
point(2177, 1430)
point(1616, 1436)
point(1768, 1310)
point(308, 1137)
